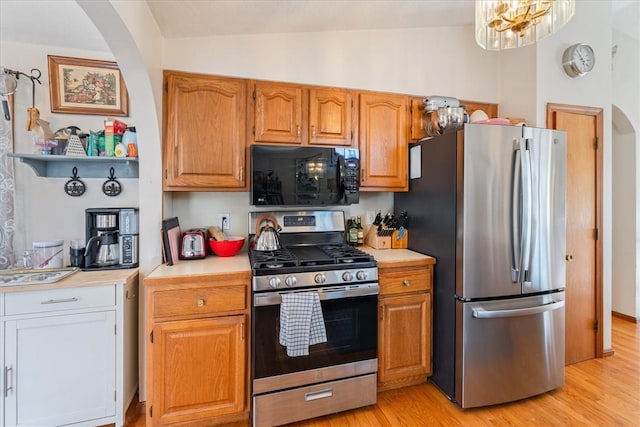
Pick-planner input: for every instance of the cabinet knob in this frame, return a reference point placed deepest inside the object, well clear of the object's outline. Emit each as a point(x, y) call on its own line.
point(200, 302)
point(406, 282)
point(568, 257)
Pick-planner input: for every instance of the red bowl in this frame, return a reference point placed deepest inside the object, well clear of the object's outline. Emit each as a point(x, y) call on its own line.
point(226, 247)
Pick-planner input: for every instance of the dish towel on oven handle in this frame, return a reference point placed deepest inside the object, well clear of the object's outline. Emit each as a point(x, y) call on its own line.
point(301, 322)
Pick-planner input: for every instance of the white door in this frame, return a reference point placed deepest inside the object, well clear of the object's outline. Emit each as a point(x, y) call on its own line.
point(61, 369)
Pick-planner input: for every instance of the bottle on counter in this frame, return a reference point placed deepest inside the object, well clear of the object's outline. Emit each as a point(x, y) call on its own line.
point(352, 231)
point(360, 231)
point(130, 141)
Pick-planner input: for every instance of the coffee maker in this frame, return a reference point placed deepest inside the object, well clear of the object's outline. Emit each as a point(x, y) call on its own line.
point(111, 238)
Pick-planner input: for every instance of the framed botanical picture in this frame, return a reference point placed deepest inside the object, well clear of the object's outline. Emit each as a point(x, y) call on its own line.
point(87, 86)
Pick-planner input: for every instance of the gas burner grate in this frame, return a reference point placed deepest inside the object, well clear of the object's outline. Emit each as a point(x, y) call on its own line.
point(343, 254)
point(272, 259)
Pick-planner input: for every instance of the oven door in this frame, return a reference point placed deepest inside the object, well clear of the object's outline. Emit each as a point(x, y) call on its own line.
point(351, 322)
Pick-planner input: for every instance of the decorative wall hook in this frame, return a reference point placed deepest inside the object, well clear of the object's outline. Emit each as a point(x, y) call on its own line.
point(111, 186)
point(75, 187)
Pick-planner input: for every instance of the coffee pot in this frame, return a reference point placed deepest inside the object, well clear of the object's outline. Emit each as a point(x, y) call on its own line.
point(107, 252)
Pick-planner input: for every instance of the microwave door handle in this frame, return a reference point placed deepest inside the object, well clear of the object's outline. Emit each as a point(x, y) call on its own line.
point(340, 179)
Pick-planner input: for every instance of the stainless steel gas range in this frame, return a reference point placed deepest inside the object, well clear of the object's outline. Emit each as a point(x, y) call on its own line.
point(314, 321)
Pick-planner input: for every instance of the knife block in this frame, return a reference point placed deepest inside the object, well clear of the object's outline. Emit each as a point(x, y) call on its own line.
point(377, 242)
point(399, 241)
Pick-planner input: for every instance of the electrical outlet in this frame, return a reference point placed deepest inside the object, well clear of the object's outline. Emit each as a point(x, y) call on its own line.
point(371, 216)
point(224, 221)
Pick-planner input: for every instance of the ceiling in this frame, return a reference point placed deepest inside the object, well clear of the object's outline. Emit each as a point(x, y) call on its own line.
point(63, 23)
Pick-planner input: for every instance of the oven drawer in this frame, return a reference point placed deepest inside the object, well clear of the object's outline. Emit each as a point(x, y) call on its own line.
point(313, 401)
point(406, 280)
point(196, 301)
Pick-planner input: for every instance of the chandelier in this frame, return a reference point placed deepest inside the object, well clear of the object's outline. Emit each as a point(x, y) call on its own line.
point(507, 24)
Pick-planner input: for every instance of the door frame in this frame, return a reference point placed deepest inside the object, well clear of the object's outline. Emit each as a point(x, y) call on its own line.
point(598, 114)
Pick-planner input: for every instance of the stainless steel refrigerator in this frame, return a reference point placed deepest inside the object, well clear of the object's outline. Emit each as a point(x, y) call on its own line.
point(488, 202)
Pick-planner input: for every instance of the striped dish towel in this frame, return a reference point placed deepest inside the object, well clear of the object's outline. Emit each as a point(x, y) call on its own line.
point(301, 322)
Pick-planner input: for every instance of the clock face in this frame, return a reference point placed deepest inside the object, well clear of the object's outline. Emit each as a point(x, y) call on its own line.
point(578, 60)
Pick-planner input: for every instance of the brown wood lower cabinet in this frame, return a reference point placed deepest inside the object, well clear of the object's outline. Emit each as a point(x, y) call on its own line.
point(404, 325)
point(197, 366)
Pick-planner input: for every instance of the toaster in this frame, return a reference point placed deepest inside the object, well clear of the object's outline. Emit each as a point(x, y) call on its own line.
point(194, 244)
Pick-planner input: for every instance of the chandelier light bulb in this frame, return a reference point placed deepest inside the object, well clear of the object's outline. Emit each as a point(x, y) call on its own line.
point(508, 24)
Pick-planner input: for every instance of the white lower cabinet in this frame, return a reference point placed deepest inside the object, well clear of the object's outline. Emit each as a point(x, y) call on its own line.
point(60, 369)
point(62, 356)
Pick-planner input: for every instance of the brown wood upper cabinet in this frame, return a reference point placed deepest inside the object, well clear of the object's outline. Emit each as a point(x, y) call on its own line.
point(286, 113)
point(383, 141)
point(204, 132)
point(417, 129)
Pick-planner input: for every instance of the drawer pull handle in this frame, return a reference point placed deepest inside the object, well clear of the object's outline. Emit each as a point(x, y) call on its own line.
point(318, 395)
point(58, 301)
point(406, 282)
point(200, 303)
point(8, 388)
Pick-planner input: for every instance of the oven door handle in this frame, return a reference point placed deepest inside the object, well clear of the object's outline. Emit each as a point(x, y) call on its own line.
point(334, 292)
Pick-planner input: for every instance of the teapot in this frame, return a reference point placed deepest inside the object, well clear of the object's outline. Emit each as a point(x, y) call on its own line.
point(266, 237)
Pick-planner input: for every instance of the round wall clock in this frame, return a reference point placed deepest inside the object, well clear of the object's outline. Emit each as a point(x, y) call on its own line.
point(578, 60)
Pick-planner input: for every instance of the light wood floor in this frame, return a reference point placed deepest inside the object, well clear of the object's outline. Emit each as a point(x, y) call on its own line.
point(598, 392)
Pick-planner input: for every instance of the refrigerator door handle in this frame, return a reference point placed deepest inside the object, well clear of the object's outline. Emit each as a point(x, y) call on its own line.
point(527, 213)
point(481, 313)
point(516, 189)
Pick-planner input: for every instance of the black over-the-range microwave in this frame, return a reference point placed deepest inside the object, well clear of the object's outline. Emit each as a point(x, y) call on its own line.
point(304, 176)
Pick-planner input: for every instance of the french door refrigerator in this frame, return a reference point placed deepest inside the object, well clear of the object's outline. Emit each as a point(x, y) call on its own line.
point(488, 202)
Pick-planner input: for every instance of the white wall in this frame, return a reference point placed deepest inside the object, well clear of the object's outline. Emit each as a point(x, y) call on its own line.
point(624, 293)
point(626, 139)
point(43, 210)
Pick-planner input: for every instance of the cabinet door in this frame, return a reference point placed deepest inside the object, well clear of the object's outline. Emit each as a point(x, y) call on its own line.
point(383, 142)
point(205, 125)
point(60, 369)
point(330, 116)
point(198, 369)
point(404, 336)
point(278, 113)
point(418, 129)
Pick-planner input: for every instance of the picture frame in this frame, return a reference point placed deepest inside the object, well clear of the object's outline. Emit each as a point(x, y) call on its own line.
point(86, 86)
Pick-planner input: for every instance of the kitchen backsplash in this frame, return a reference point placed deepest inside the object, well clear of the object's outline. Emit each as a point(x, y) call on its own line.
point(196, 209)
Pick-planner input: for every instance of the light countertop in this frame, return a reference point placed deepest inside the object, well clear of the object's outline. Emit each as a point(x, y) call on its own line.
point(387, 258)
point(80, 279)
point(210, 265)
point(240, 263)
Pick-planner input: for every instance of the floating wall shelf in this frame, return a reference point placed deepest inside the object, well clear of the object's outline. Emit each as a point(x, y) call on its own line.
point(53, 166)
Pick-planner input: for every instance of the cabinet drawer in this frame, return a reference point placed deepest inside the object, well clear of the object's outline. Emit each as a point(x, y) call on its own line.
point(59, 299)
point(401, 281)
point(192, 301)
point(314, 401)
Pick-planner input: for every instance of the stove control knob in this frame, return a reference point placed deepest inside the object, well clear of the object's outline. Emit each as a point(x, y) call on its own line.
point(275, 282)
point(290, 281)
point(347, 276)
point(320, 278)
point(361, 275)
